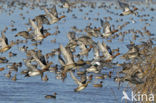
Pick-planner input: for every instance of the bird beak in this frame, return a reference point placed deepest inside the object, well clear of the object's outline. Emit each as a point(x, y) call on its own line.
point(116, 55)
point(115, 31)
point(62, 16)
point(47, 34)
point(135, 9)
point(91, 46)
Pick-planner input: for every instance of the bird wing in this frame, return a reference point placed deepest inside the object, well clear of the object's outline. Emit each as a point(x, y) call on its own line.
point(102, 24)
point(106, 26)
point(51, 16)
point(62, 62)
point(75, 79)
point(3, 35)
point(36, 29)
point(42, 58)
point(66, 55)
point(96, 53)
point(71, 36)
point(82, 46)
point(29, 65)
point(33, 24)
point(4, 40)
point(37, 60)
point(123, 5)
point(54, 11)
point(86, 40)
point(104, 50)
point(108, 49)
point(41, 19)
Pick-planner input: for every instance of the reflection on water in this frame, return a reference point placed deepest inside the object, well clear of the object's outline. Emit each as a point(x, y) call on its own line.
point(15, 16)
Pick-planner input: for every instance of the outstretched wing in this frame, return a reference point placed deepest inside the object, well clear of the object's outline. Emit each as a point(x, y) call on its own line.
point(96, 53)
point(53, 11)
point(38, 60)
point(106, 26)
point(123, 5)
point(66, 55)
point(3, 40)
point(50, 15)
point(75, 79)
point(36, 28)
point(104, 50)
point(29, 65)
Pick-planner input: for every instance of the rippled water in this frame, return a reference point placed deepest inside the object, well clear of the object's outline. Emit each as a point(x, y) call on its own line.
point(26, 90)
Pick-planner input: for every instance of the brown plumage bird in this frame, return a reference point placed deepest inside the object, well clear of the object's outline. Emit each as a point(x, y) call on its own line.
point(51, 96)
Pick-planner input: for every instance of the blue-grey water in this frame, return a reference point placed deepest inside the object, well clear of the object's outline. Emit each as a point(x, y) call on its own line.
point(33, 90)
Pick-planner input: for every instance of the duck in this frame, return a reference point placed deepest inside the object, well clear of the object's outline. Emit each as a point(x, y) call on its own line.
point(126, 9)
point(67, 4)
point(81, 86)
point(53, 15)
point(3, 60)
point(132, 53)
point(103, 76)
point(40, 59)
point(37, 34)
point(107, 29)
point(13, 67)
point(51, 96)
point(98, 85)
point(5, 46)
point(32, 69)
point(11, 54)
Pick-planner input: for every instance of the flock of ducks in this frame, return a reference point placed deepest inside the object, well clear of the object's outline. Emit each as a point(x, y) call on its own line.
point(74, 58)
